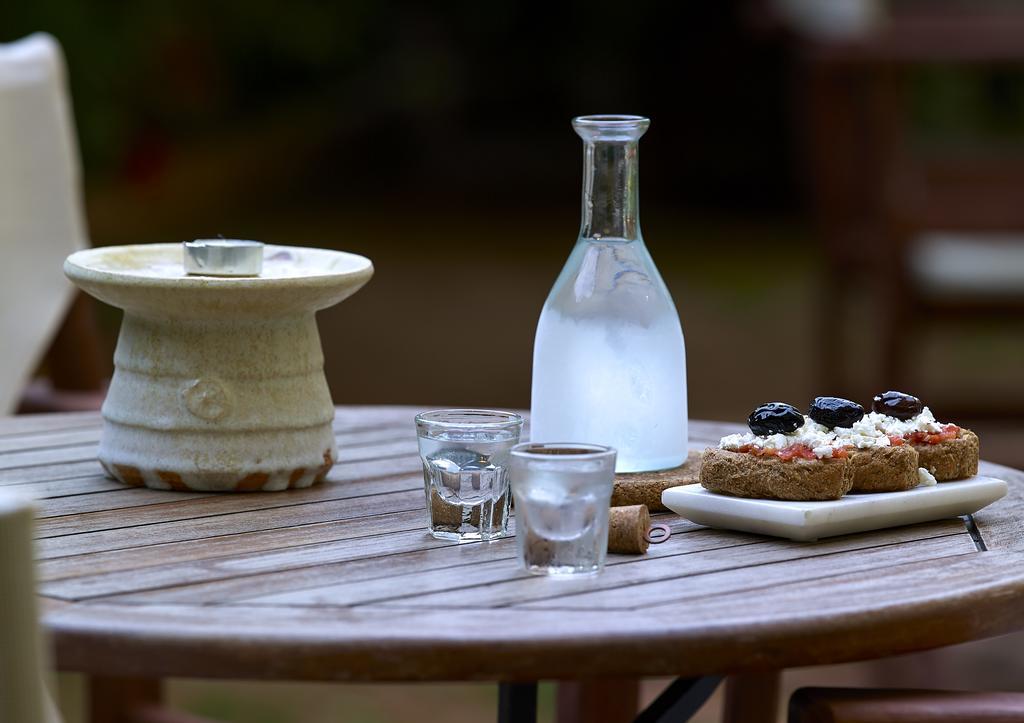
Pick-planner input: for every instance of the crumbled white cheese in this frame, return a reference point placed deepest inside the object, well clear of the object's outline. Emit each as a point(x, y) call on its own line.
point(925, 478)
point(923, 422)
point(819, 438)
point(811, 425)
point(862, 435)
point(873, 430)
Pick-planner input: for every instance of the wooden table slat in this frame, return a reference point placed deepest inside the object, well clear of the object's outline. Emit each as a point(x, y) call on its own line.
point(679, 591)
point(30, 424)
point(177, 508)
point(621, 583)
point(48, 456)
point(51, 473)
point(248, 542)
point(413, 553)
point(395, 492)
point(677, 563)
point(50, 440)
point(88, 484)
point(350, 543)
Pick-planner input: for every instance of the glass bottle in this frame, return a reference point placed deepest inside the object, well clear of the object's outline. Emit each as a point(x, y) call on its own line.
point(609, 362)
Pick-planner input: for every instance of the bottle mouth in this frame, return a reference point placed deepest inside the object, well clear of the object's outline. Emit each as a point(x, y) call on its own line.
point(611, 127)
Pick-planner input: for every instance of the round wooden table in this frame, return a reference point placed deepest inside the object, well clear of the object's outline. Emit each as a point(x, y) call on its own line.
point(341, 581)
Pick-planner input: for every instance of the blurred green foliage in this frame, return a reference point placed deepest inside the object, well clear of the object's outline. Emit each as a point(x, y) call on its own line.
point(148, 77)
point(185, 66)
point(959, 105)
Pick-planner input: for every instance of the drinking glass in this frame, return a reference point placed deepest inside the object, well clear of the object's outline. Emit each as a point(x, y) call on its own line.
point(465, 454)
point(562, 494)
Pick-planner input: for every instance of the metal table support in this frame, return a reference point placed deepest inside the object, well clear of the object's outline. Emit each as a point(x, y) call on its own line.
point(680, 701)
point(517, 703)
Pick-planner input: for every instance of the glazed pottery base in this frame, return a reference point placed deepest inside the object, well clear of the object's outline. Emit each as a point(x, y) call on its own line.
point(184, 481)
point(128, 456)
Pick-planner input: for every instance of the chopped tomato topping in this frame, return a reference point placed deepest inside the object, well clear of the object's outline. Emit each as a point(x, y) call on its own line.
point(754, 450)
point(895, 440)
point(795, 450)
point(841, 453)
point(949, 431)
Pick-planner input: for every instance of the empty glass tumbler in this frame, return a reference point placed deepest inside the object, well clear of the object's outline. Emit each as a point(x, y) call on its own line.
point(562, 494)
point(465, 455)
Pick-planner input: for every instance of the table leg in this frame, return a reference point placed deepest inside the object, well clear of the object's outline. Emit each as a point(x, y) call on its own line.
point(517, 703)
point(751, 698)
point(113, 700)
point(611, 700)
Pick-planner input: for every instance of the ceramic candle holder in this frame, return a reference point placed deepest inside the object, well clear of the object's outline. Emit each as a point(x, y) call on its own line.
point(218, 382)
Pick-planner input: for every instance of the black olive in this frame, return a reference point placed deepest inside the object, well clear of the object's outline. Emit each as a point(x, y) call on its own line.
point(835, 412)
point(775, 418)
point(897, 404)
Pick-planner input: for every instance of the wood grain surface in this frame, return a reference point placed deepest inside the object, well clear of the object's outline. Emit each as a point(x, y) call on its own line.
point(342, 582)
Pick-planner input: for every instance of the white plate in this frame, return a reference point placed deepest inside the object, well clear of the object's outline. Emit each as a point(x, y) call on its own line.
point(808, 521)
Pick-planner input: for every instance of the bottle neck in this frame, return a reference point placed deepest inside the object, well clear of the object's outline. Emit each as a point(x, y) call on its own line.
point(611, 194)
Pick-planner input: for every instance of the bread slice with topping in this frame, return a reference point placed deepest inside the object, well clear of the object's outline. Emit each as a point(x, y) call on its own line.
point(951, 459)
point(741, 474)
point(948, 451)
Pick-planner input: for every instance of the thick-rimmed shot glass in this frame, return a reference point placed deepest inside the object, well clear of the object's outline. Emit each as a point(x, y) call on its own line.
point(562, 494)
point(465, 455)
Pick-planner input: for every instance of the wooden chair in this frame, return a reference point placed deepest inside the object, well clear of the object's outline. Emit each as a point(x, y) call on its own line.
point(76, 378)
point(41, 222)
point(958, 256)
point(897, 222)
point(851, 705)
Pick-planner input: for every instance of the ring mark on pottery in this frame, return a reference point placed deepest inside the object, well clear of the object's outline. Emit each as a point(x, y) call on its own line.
point(129, 475)
point(253, 482)
point(206, 399)
point(174, 480)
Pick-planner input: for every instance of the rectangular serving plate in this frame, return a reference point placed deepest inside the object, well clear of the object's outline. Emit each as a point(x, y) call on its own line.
point(810, 521)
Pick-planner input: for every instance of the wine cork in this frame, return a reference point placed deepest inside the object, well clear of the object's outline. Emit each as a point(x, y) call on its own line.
point(645, 488)
point(627, 529)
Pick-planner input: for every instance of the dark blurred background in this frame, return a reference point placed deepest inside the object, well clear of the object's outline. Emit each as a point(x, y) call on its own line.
point(437, 142)
point(833, 191)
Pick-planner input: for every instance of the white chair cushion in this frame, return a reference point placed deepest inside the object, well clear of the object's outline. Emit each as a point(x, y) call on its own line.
point(969, 264)
point(41, 218)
